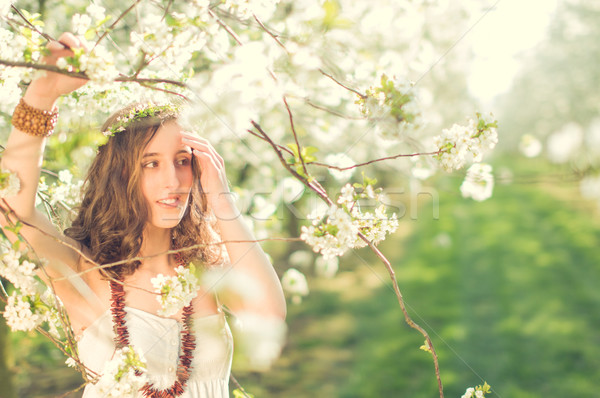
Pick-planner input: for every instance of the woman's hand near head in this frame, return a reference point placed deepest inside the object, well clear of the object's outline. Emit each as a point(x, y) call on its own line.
point(43, 91)
point(213, 178)
point(245, 254)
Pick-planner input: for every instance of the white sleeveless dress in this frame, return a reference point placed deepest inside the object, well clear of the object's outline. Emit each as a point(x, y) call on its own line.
point(159, 339)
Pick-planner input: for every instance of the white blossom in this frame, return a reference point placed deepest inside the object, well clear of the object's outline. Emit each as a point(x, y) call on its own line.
point(374, 226)
point(484, 139)
point(590, 187)
point(65, 176)
point(332, 237)
point(19, 313)
point(460, 145)
point(564, 144)
point(175, 292)
point(340, 160)
point(326, 267)
point(334, 231)
point(421, 169)
point(9, 184)
point(291, 189)
point(454, 143)
point(70, 362)
point(300, 259)
point(19, 271)
point(294, 282)
point(258, 340)
point(99, 65)
point(346, 195)
point(63, 64)
point(80, 23)
point(65, 190)
point(530, 146)
point(478, 183)
point(5, 7)
point(228, 281)
point(95, 11)
point(118, 377)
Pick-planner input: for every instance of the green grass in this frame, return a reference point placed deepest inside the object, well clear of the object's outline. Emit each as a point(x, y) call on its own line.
point(513, 300)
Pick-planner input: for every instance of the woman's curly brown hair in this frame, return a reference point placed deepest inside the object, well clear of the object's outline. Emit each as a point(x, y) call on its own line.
point(114, 212)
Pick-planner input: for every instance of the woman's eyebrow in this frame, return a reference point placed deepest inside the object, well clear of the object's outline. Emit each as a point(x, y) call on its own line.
point(150, 154)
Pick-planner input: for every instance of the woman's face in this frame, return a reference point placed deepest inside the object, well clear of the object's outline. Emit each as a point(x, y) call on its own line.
point(167, 176)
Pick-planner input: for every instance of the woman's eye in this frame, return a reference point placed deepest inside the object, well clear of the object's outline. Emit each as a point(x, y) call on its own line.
point(183, 161)
point(150, 165)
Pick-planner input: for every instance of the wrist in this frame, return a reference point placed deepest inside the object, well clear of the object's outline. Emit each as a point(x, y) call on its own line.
point(42, 101)
point(224, 207)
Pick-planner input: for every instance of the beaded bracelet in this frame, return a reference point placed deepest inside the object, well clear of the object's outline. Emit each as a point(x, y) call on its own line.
point(34, 121)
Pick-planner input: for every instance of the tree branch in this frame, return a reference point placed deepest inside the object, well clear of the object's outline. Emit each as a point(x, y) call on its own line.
point(82, 75)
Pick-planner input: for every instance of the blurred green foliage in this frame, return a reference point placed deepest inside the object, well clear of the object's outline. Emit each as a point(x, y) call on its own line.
point(507, 289)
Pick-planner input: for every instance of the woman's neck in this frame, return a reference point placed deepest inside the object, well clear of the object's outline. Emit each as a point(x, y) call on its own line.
point(156, 242)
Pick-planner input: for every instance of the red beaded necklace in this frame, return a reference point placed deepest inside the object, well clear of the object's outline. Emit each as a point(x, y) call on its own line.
point(187, 337)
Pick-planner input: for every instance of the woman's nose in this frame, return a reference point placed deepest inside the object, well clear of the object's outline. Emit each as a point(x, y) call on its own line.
point(170, 177)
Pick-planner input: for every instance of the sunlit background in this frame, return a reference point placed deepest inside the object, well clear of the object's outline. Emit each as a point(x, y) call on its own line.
point(500, 38)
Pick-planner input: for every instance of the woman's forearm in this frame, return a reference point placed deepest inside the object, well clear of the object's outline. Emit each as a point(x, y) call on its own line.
point(23, 155)
point(248, 258)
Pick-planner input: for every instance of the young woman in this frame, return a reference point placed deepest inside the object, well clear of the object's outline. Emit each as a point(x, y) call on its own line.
point(150, 189)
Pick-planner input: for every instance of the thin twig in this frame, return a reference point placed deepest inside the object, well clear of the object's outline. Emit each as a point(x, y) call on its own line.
point(402, 155)
point(342, 84)
point(10, 212)
point(169, 4)
point(226, 27)
point(111, 27)
point(239, 386)
point(331, 111)
point(407, 317)
point(164, 90)
point(73, 391)
point(316, 187)
point(274, 36)
point(32, 26)
point(280, 147)
point(289, 111)
point(175, 251)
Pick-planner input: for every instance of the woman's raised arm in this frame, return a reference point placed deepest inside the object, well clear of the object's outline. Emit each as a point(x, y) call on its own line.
point(23, 155)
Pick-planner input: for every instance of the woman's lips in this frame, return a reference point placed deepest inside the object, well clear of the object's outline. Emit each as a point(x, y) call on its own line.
point(169, 203)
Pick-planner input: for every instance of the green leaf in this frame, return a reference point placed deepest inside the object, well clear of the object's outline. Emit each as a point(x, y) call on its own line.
point(15, 229)
point(332, 11)
point(294, 149)
point(105, 20)
point(425, 347)
point(238, 393)
point(90, 34)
